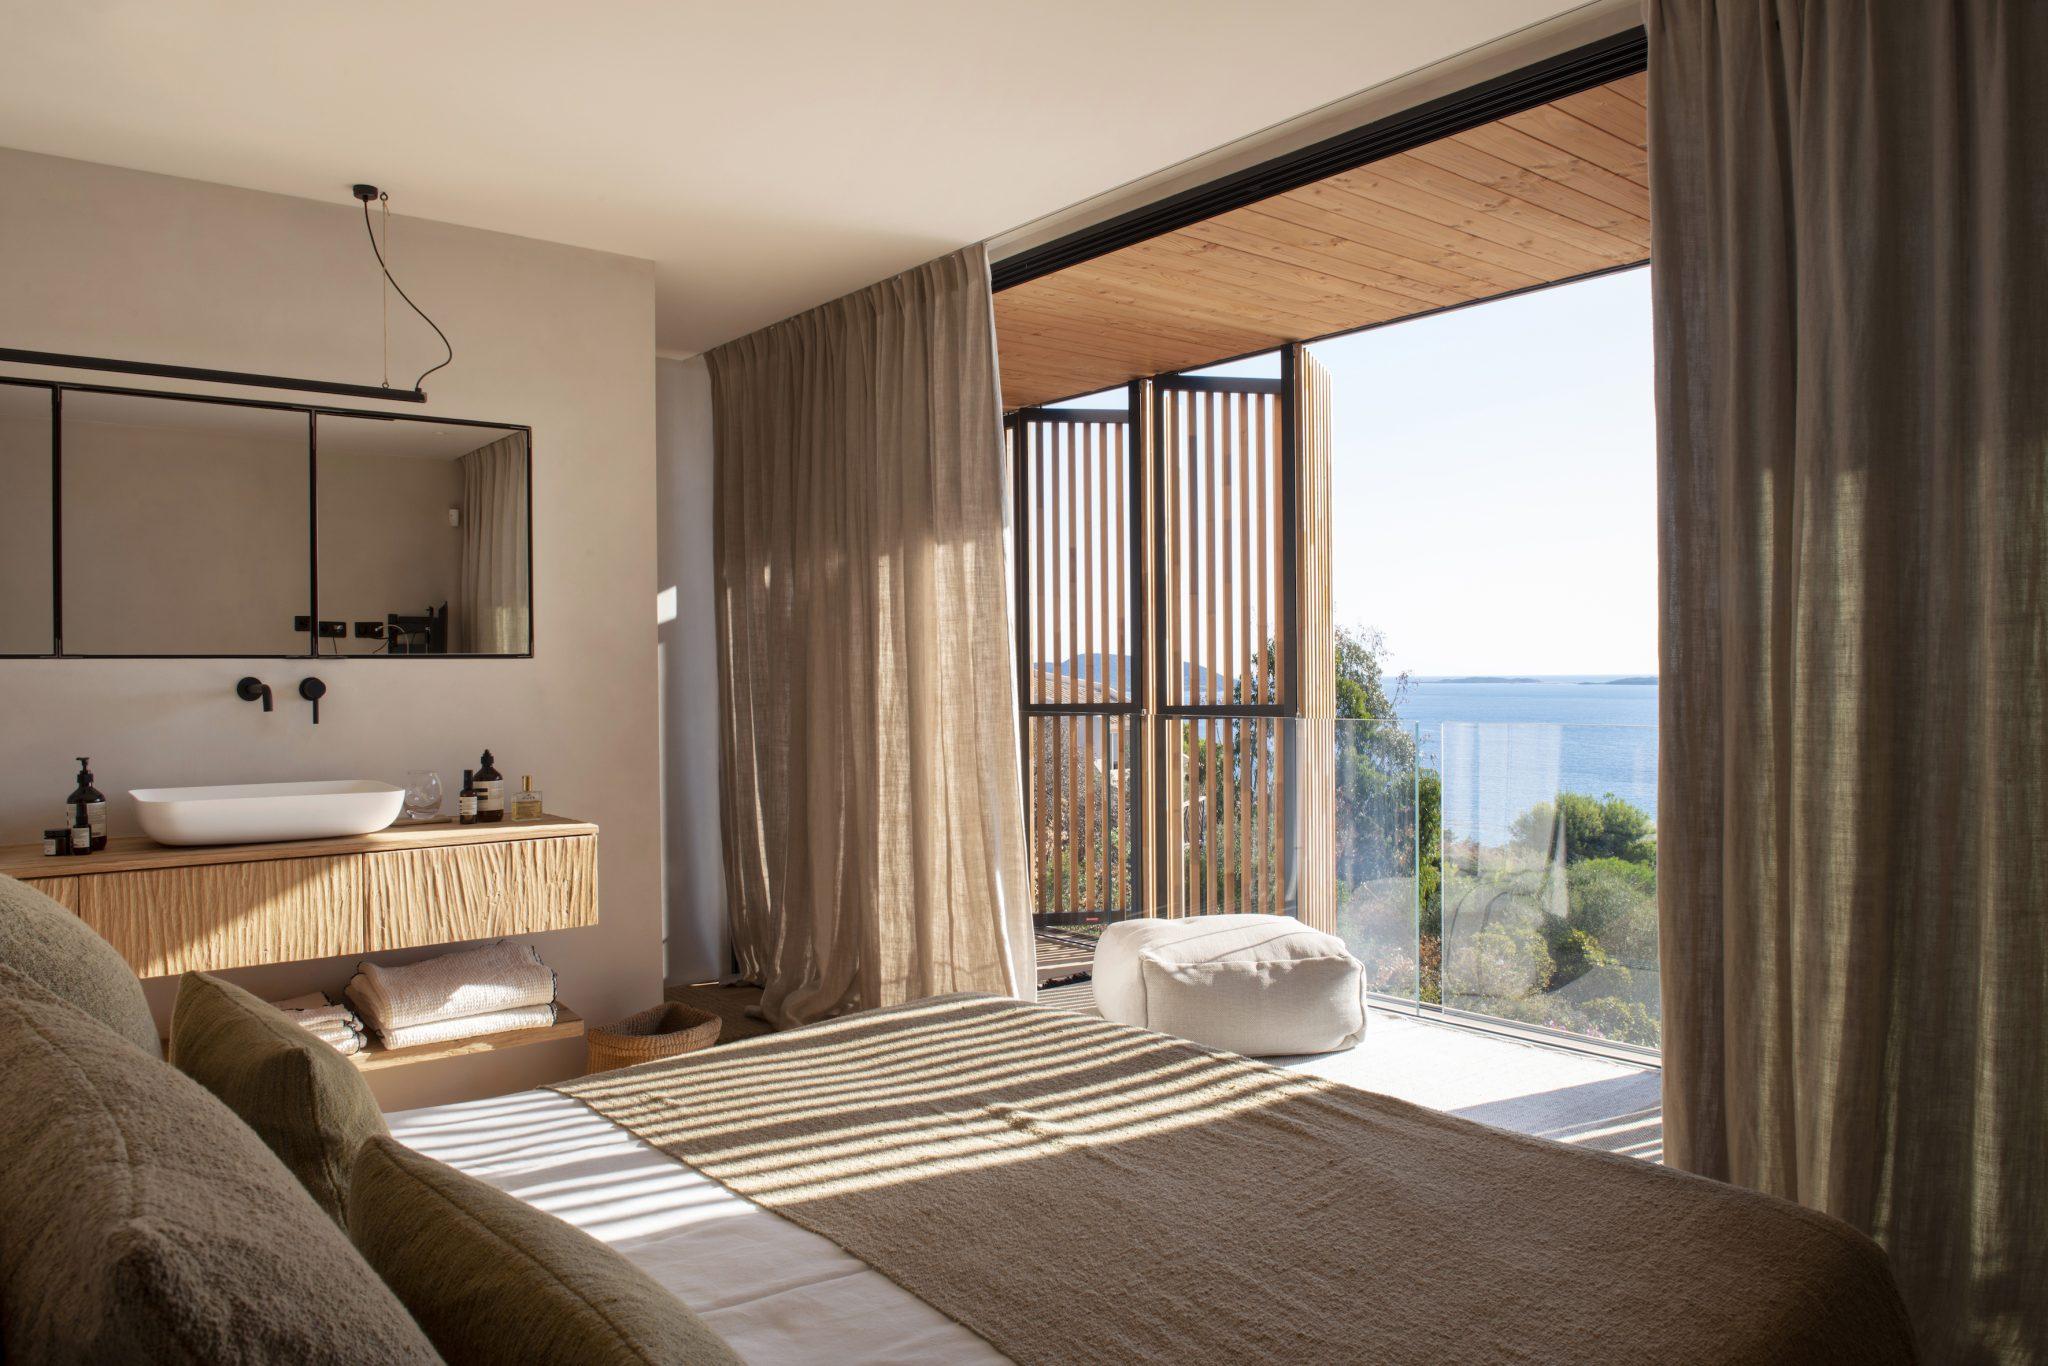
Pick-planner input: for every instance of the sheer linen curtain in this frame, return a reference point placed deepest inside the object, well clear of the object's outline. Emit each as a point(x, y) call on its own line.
point(1851, 297)
point(871, 798)
point(490, 598)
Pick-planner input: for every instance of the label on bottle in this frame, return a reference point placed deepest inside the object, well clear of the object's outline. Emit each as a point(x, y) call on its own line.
point(96, 820)
point(490, 797)
point(49, 846)
point(465, 806)
point(81, 839)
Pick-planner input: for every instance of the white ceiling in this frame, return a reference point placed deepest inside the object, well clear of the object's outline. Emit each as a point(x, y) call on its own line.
point(766, 156)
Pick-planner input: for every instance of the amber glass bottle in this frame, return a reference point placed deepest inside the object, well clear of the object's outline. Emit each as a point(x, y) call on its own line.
point(490, 792)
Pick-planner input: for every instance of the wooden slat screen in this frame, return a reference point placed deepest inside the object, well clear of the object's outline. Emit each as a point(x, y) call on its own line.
point(1317, 847)
point(1084, 783)
point(1221, 525)
point(1168, 592)
point(1228, 751)
point(1078, 629)
point(1077, 565)
point(1229, 780)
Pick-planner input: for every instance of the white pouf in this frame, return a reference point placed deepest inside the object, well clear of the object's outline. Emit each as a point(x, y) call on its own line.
point(1260, 985)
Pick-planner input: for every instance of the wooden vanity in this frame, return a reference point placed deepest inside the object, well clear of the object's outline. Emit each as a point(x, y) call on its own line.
point(173, 910)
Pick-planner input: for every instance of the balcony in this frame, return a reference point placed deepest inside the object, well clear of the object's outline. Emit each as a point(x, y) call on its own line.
point(1498, 881)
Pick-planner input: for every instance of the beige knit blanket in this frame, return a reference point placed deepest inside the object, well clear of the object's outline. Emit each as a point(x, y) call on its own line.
point(1077, 1191)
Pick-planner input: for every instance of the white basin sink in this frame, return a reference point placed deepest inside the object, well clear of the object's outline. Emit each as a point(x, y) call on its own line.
point(258, 813)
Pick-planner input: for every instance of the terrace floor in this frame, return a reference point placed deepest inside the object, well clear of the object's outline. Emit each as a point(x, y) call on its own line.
point(1532, 1088)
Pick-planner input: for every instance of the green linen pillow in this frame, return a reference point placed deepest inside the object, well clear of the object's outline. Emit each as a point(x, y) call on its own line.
point(308, 1102)
point(492, 1279)
point(141, 1221)
point(50, 946)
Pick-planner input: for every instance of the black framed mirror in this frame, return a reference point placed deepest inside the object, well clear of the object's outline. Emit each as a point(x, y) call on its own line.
point(141, 524)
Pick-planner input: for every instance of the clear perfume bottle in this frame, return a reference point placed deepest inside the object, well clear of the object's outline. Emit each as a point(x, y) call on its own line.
point(525, 803)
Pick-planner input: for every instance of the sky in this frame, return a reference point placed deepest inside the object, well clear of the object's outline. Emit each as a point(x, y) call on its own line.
point(1494, 483)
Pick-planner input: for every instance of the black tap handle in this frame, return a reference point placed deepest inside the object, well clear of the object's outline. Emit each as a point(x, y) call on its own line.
point(312, 689)
point(252, 689)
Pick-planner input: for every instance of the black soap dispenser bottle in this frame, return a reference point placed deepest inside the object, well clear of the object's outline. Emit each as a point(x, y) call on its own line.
point(88, 805)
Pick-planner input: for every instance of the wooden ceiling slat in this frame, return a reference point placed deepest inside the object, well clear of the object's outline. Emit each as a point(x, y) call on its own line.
point(1306, 285)
point(1367, 201)
point(1361, 220)
point(1088, 346)
point(1549, 194)
point(1483, 168)
point(1609, 111)
point(1554, 164)
point(1112, 307)
point(1064, 306)
point(1422, 263)
point(1473, 203)
point(1572, 134)
point(1305, 232)
point(1132, 359)
point(1219, 296)
point(1278, 240)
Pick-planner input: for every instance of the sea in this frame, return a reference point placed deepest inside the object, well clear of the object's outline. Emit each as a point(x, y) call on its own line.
point(1505, 744)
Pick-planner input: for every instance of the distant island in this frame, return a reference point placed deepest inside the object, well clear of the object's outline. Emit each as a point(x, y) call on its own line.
point(1633, 680)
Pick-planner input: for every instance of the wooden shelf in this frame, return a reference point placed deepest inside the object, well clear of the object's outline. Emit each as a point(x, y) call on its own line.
point(568, 1025)
point(134, 853)
point(206, 908)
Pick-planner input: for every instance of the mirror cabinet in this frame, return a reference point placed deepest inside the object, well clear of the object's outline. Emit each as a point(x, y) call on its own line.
point(151, 524)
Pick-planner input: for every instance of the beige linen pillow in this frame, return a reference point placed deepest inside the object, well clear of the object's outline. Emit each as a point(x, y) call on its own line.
point(51, 946)
point(492, 1279)
point(141, 1221)
point(310, 1104)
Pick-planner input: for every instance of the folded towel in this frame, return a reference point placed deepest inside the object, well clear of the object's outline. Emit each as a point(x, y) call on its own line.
point(335, 1033)
point(468, 1026)
point(347, 1046)
point(335, 1015)
point(497, 977)
point(334, 1025)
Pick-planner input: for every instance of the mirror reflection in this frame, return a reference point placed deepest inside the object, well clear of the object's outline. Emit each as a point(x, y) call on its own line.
point(185, 527)
point(26, 570)
point(423, 537)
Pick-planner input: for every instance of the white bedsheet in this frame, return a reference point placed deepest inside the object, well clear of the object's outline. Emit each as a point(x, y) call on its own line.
point(778, 1293)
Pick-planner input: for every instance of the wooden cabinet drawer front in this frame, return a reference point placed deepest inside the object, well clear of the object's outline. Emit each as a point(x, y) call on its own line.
point(62, 890)
point(481, 891)
point(205, 917)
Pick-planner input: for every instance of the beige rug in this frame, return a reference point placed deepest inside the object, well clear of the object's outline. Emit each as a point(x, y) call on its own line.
point(1077, 1191)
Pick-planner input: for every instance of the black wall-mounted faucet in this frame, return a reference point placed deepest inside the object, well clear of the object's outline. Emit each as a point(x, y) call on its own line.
point(252, 689)
point(312, 689)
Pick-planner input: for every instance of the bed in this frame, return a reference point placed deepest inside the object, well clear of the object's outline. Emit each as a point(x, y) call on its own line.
point(967, 1179)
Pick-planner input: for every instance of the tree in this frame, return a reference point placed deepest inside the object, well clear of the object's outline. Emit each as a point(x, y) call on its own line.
point(1593, 828)
point(1386, 822)
point(1361, 678)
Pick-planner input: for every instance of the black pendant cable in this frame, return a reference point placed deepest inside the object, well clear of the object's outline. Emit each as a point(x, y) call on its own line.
point(11, 355)
point(367, 193)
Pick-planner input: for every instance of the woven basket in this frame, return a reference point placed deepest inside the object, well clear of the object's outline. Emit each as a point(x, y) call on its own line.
point(662, 1032)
